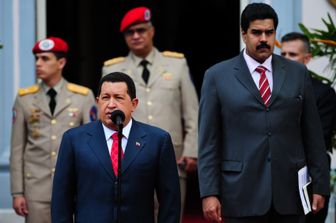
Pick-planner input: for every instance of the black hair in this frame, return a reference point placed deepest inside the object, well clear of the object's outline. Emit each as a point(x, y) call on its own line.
point(59, 54)
point(119, 77)
point(256, 11)
point(297, 36)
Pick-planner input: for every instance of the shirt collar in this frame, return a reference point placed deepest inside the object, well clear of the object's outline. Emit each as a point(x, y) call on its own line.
point(252, 64)
point(126, 131)
point(57, 87)
point(149, 58)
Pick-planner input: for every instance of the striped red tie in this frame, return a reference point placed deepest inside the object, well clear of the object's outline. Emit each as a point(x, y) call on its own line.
point(114, 153)
point(264, 87)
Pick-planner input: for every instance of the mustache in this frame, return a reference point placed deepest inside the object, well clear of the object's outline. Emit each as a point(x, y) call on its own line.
point(263, 45)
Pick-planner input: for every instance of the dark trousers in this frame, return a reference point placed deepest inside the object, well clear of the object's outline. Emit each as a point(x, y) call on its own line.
point(270, 217)
point(320, 216)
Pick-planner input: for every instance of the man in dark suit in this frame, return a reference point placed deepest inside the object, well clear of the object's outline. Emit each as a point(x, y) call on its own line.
point(85, 182)
point(296, 46)
point(258, 125)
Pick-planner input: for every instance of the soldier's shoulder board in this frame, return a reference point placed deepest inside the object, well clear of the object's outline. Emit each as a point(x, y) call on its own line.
point(78, 89)
point(172, 54)
point(114, 61)
point(29, 90)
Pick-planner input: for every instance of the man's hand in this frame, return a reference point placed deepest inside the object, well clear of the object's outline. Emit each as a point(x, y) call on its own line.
point(317, 203)
point(20, 205)
point(189, 164)
point(212, 209)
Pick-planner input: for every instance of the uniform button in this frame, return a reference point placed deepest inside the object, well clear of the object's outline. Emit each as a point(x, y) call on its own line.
point(267, 109)
point(53, 137)
point(53, 170)
point(53, 153)
point(53, 121)
point(268, 159)
point(269, 134)
point(150, 117)
point(148, 89)
point(28, 175)
point(149, 103)
point(71, 123)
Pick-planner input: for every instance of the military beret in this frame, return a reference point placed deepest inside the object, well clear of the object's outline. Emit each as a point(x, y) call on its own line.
point(135, 15)
point(51, 44)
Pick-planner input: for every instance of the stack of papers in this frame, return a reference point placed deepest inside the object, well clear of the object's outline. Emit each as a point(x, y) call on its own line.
point(304, 181)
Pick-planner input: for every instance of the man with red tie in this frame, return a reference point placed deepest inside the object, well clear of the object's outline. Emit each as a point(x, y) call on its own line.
point(258, 126)
point(86, 177)
point(164, 86)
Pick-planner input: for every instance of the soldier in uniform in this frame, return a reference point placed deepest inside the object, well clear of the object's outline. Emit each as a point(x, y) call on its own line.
point(164, 86)
point(41, 114)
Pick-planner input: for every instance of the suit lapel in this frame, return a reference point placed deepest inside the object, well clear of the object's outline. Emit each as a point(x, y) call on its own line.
point(135, 144)
point(244, 76)
point(129, 68)
point(279, 75)
point(64, 99)
point(158, 68)
point(40, 101)
point(98, 145)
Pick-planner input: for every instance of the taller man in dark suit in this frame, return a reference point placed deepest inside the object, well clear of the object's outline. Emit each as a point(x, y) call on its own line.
point(85, 177)
point(296, 46)
point(258, 126)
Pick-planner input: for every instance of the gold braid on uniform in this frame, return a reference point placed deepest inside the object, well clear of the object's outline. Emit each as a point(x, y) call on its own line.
point(78, 89)
point(172, 54)
point(114, 61)
point(29, 90)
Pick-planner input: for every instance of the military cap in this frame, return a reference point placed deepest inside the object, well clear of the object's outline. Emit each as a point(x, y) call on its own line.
point(134, 16)
point(51, 44)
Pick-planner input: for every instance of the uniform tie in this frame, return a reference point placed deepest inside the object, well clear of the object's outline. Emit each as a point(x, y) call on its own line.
point(264, 87)
point(52, 103)
point(114, 153)
point(145, 71)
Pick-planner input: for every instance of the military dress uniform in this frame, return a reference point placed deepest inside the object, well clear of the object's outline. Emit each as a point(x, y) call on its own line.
point(168, 100)
point(36, 136)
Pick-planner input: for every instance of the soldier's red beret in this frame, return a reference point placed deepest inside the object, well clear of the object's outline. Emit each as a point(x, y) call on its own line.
point(51, 44)
point(135, 15)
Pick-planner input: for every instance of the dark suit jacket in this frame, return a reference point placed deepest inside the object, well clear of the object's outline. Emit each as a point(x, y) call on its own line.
point(326, 106)
point(249, 155)
point(84, 182)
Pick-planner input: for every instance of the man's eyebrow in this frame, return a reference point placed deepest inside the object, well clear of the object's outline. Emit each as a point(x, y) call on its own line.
point(262, 30)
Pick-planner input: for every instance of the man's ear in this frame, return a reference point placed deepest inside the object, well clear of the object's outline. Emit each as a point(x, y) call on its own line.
point(307, 58)
point(62, 61)
point(243, 34)
point(152, 31)
point(135, 103)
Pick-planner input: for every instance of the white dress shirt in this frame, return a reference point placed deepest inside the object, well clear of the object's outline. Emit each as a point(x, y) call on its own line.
point(252, 64)
point(109, 132)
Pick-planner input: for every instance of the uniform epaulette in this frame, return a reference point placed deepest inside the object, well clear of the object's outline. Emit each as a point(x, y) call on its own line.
point(78, 89)
point(29, 90)
point(173, 54)
point(114, 61)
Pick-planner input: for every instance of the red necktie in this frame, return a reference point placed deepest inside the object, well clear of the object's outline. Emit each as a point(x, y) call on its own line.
point(114, 153)
point(264, 88)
